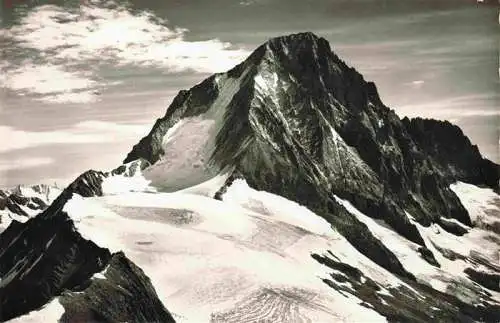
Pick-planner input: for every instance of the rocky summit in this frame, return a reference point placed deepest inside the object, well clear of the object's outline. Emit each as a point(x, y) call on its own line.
point(283, 190)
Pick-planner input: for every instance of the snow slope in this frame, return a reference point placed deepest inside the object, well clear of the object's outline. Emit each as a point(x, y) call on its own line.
point(227, 261)
point(190, 142)
point(482, 203)
point(248, 257)
point(451, 272)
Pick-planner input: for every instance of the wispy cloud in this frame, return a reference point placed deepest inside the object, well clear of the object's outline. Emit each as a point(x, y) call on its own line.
point(81, 133)
point(71, 45)
point(417, 83)
point(32, 162)
point(51, 81)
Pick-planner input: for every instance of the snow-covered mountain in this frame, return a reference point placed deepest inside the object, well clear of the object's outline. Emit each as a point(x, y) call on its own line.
point(23, 202)
point(283, 190)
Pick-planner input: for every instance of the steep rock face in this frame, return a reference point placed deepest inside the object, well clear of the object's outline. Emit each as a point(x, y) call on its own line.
point(88, 184)
point(199, 98)
point(299, 100)
point(41, 258)
point(452, 152)
point(304, 97)
point(295, 120)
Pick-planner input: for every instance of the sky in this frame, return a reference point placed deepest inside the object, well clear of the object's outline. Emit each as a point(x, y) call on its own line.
point(82, 81)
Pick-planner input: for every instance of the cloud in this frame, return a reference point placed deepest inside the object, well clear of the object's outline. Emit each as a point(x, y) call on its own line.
point(53, 82)
point(248, 2)
point(71, 45)
point(417, 84)
point(81, 133)
point(118, 35)
point(31, 162)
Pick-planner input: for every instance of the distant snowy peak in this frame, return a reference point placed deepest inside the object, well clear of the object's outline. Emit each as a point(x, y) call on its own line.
point(23, 202)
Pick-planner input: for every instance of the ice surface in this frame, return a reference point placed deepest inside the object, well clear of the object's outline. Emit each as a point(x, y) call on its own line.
point(231, 256)
point(189, 144)
point(249, 255)
point(210, 187)
point(184, 163)
point(121, 184)
point(118, 184)
point(277, 207)
point(483, 204)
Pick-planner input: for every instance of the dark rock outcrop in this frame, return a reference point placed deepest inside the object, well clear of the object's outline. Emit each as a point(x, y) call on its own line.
point(229, 181)
point(452, 227)
point(413, 302)
point(123, 294)
point(41, 258)
point(428, 256)
point(131, 169)
point(488, 280)
point(452, 153)
point(88, 184)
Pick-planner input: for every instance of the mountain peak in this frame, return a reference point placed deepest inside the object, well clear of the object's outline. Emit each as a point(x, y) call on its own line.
point(293, 119)
point(300, 36)
point(303, 40)
point(291, 124)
